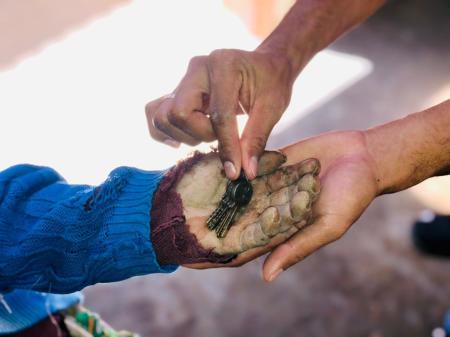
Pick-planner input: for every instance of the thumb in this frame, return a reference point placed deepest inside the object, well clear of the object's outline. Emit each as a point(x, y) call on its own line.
point(323, 231)
point(254, 139)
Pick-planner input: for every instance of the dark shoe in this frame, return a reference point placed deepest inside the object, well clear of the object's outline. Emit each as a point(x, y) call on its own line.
point(431, 234)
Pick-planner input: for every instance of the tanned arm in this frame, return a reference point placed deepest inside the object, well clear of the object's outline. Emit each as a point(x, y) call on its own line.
point(410, 150)
point(311, 25)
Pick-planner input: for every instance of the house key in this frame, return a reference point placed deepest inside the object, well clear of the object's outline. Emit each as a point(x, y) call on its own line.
point(238, 193)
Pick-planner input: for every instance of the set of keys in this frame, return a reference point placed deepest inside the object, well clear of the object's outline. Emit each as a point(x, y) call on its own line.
point(238, 193)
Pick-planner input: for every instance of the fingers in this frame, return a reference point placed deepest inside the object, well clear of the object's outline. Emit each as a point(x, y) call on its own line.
point(290, 207)
point(289, 174)
point(191, 100)
point(225, 84)
point(150, 110)
point(160, 127)
point(282, 202)
point(162, 123)
point(269, 162)
point(253, 236)
point(309, 183)
point(295, 212)
point(182, 116)
point(300, 205)
point(193, 123)
point(325, 230)
point(270, 221)
point(254, 138)
point(211, 86)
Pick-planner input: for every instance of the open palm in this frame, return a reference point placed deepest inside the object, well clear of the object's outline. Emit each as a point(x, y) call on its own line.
point(281, 205)
point(281, 202)
point(348, 186)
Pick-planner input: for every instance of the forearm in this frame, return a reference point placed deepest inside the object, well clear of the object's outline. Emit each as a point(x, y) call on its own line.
point(56, 237)
point(311, 25)
point(412, 149)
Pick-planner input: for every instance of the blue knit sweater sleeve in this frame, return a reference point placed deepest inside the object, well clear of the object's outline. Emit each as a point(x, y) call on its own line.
point(59, 238)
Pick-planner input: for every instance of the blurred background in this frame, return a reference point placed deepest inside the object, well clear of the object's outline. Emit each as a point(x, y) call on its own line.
point(74, 79)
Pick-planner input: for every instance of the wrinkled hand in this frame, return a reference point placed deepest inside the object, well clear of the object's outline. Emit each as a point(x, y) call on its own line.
point(281, 204)
point(348, 185)
point(204, 105)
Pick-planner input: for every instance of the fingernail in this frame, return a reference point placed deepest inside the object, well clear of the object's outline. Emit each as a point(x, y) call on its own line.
point(253, 166)
point(230, 170)
point(274, 275)
point(172, 143)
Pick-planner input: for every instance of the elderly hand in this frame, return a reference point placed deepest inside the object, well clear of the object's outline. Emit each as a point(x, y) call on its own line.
point(213, 91)
point(281, 204)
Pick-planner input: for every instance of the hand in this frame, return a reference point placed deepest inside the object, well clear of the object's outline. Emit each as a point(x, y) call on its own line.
point(348, 185)
point(213, 91)
point(281, 204)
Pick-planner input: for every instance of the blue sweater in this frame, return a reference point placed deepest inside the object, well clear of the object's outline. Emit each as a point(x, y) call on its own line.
point(59, 238)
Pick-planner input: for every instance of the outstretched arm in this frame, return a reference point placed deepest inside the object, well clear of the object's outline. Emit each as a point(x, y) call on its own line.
point(56, 237)
point(410, 150)
point(204, 105)
point(358, 166)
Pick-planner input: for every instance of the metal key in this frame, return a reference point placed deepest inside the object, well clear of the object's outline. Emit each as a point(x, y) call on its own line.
point(237, 194)
point(222, 217)
point(225, 204)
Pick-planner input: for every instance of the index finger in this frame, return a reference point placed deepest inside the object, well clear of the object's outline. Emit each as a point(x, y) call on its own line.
point(225, 84)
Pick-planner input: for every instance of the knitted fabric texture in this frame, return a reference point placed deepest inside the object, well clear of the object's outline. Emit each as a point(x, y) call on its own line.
point(59, 238)
point(170, 235)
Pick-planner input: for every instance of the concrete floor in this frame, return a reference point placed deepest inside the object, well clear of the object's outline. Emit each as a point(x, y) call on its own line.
point(372, 282)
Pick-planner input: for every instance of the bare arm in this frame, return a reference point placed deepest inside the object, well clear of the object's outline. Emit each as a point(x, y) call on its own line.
point(311, 25)
point(412, 149)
